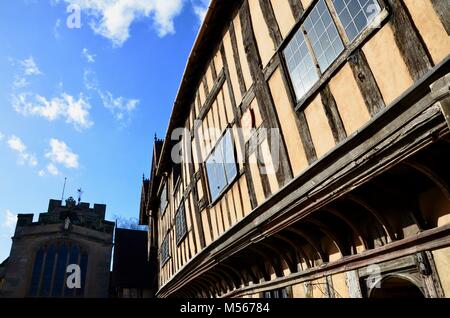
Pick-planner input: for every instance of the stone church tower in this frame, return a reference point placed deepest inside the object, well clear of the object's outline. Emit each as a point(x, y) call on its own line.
point(44, 253)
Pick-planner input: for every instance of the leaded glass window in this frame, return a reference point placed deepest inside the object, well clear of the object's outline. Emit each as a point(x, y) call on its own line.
point(180, 223)
point(165, 250)
point(356, 15)
point(221, 166)
point(49, 273)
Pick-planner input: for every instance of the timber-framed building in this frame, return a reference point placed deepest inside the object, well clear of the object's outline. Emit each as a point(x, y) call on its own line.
point(327, 171)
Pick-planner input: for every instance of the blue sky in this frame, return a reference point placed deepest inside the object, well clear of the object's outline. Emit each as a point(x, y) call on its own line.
point(84, 101)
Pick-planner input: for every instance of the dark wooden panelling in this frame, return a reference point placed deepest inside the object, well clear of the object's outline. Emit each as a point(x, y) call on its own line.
point(442, 8)
point(332, 113)
point(213, 70)
point(366, 82)
point(262, 92)
point(237, 60)
point(296, 7)
point(271, 21)
point(306, 138)
point(408, 40)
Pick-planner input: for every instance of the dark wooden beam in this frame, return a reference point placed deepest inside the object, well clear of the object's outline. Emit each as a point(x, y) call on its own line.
point(442, 8)
point(279, 252)
point(214, 70)
point(429, 172)
point(297, 245)
point(265, 262)
point(315, 244)
point(350, 224)
point(409, 41)
point(336, 238)
point(205, 85)
point(391, 235)
point(297, 8)
point(332, 113)
point(290, 251)
point(237, 59)
point(366, 82)
point(271, 21)
point(262, 93)
point(305, 136)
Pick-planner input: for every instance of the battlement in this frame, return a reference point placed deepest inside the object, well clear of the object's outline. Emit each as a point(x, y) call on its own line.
point(79, 214)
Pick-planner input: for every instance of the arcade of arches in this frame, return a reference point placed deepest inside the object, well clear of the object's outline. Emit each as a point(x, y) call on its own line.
point(385, 238)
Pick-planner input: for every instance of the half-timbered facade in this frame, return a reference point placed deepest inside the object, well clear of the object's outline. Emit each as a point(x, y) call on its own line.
point(307, 154)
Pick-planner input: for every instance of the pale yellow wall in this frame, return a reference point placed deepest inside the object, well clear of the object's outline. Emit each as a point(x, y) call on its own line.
point(256, 177)
point(247, 207)
point(442, 261)
point(202, 93)
point(284, 16)
point(271, 170)
point(318, 125)
point(209, 77)
point(218, 62)
point(208, 237)
point(298, 291)
point(266, 46)
point(340, 285)
point(349, 100)
point(247, 131)
point(387, 64)
point(306, 3)
point(430, 28)
point(289, 128)
point(228, 105)
point(319, 288)
point(236, 201)
point(435, 207)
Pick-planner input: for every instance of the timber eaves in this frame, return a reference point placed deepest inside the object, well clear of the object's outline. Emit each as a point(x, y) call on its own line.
point(377, 146)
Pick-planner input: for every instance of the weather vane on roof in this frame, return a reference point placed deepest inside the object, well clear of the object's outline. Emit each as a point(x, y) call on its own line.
point(80, 192)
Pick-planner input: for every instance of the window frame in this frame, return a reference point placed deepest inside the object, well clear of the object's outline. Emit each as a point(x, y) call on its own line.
point(165, 241)
point(213, 201)
point(164, 187)
point(81, 250)
point(181, 209)
point(349, 48)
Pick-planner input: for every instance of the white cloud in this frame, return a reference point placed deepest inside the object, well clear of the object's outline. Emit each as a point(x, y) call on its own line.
point(9, 220)
point(30, 67)
point(20, 82)
point(60, 153)
point(90, 58)
point(112, 19)
point(56, 28)
point(41, 173)
point(2, 136)
point(16, 144)
point(200, 8)
point(74, 111)
point(52, 169)
point(121, 107)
